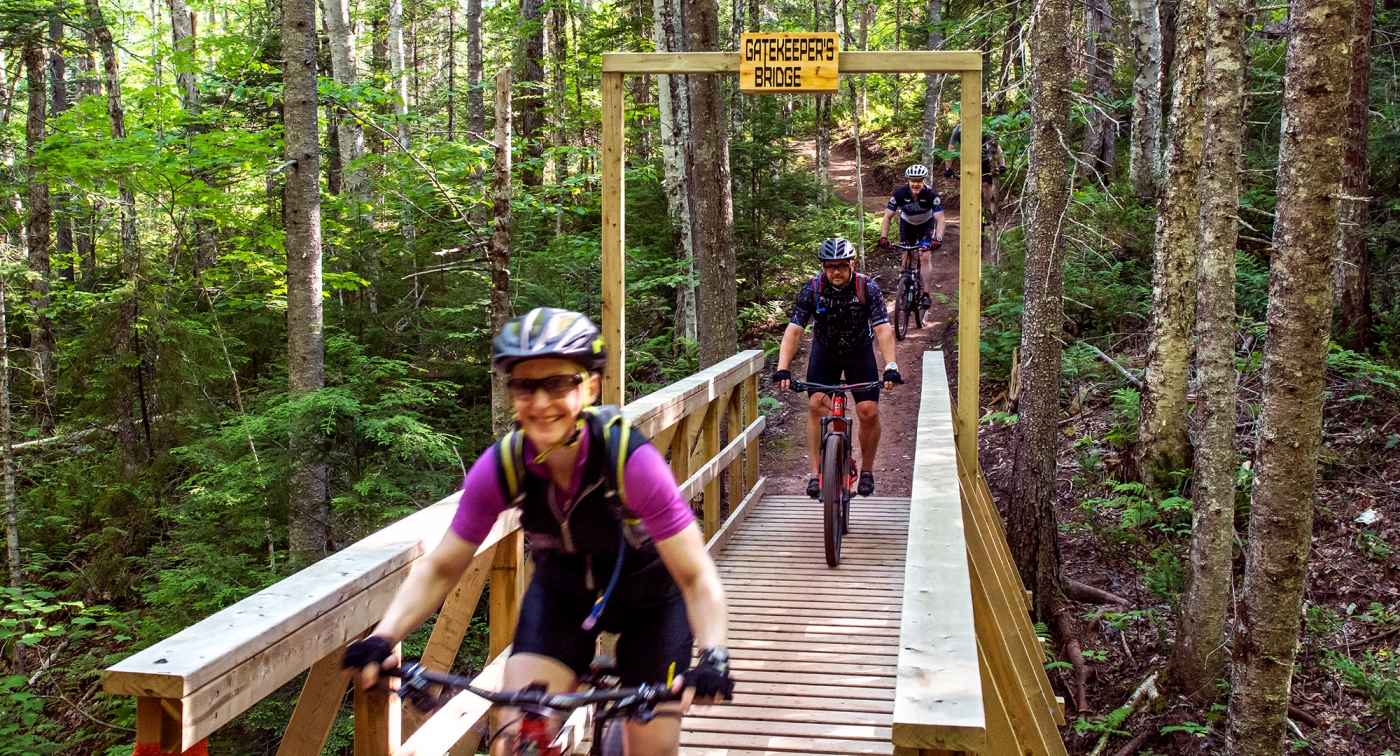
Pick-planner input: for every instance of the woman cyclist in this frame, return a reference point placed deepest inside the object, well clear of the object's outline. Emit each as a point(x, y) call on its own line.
point(662, 595)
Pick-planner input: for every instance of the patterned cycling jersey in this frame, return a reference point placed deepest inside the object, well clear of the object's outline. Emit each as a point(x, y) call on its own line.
point(844, 324)
point(989, 147)
point(913, 210)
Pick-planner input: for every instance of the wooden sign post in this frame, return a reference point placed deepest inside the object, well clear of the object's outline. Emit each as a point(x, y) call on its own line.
point(782, 62)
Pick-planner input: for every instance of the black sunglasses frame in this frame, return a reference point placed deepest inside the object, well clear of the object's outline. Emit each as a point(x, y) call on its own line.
point(554, 385)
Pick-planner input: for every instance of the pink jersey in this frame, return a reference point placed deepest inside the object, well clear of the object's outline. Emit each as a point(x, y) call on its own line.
point(651, 492)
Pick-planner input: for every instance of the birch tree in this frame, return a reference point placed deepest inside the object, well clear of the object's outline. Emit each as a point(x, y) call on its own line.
point(1352, 280)
point(476, 104)
point(1032, 529)
point(1163, 445)
point(674, 110)
point(398, 77)
point(1145, 157)
point(1200, 652)
point(500, 248)
point(1295, 371)
point(308, 532)
point(933, 85)
point(350, 136)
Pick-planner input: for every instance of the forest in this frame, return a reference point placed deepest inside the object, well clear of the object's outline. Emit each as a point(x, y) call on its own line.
point(252, 254)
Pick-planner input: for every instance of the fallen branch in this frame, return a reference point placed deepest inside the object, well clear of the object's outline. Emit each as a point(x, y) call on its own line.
point(1076, 660)
point(1302, 716)
point(1088, 594)
point(1145, 692)
point(1131, 378)
point(1133, 746)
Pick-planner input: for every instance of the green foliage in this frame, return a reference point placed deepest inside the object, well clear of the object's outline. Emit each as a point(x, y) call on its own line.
point(1375, 675)
point(1165, 576)
point(1322, 622)
point(1126, 403)
point(1109, 724)
point(1190, 728)
point(1374, 546)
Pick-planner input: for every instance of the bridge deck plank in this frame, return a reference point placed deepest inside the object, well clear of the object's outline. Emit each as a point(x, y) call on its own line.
point(814, 648)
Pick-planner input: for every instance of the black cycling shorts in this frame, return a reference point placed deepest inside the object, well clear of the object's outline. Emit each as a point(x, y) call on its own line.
point(859, 367)
point(912, 234)
point(653, 646)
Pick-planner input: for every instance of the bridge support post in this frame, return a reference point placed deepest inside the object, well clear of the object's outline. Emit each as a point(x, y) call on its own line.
point(377, 720)
point(614, 264)
point(970, 265)
point(158, 724)
point(507, 588)
point(750, 415)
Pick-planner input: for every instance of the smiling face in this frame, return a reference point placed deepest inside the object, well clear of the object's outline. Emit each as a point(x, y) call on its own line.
point(916, 185)
point(546, 420)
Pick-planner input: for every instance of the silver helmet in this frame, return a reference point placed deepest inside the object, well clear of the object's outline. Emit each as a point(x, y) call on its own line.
point(549, 332)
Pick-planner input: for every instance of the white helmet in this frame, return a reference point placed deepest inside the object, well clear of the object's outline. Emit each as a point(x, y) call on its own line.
point(916, 171)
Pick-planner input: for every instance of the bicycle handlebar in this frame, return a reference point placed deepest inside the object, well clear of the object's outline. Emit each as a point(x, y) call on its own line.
point(416, 679)
point(800, 386)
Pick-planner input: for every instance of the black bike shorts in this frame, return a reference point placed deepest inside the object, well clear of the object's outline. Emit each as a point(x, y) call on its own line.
point(858, 367)
point(653, 646)
point(912, 234)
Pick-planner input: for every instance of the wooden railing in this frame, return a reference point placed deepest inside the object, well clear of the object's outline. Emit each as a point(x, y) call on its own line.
point(194, 682)
point(970, 674)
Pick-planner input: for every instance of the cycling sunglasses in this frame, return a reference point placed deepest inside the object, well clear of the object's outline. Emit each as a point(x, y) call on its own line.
point(556, 386)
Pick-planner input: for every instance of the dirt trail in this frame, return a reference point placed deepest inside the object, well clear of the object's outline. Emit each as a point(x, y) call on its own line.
point(785, 450)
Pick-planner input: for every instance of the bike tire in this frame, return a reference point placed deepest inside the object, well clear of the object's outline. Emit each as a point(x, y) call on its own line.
point(833, 482)
point(901, 309)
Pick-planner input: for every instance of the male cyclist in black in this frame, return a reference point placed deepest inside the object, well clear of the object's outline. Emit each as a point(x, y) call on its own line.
point(849, 310)
point(991, 153)
point(921, 219)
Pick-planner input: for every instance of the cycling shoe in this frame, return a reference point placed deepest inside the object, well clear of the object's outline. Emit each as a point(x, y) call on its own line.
point(925, 301)
point(814, 487)
point(866, 486)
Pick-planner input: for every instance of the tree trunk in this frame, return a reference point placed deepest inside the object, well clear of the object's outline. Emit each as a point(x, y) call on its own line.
point(500, 249)
point(674, 109)
point(123, 328)
point(1032, 529)
point(182, 32)
point(397, 75)
point(15, 565)
point(58, 96)
point(1163, 445)
point(710, 193)
point(1099, 51)
point(559, 41)
point(1353, 272)
point(1145, 158)
point(476, 104)
point(451, 72)
point(1199, 656)
point(1295, 371)
point(308, 533)
point(350, 136)
point(36, 228)
point(531, 99)
point(933, 85)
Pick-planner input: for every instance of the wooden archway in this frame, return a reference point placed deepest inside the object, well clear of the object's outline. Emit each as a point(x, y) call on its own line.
point(965, 63)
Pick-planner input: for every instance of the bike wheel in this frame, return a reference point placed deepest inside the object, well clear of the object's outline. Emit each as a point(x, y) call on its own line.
point(901, 309)
point(833, 483)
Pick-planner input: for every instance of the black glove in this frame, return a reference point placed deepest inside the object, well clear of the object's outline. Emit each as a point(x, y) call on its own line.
point(781, 375)
point(884, 242)
point(710, 676)
point(1001, 169)
point(362, 653)
point(892, 376)
point(947, 173)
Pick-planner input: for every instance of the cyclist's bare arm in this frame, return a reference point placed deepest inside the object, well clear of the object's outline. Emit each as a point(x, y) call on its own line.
point(885, 224)
point(884, 336)
point(690, 564)
point(941, 224)
point(421, 595)
point(791, 338)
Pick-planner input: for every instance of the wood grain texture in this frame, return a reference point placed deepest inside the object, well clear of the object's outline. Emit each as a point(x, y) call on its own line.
point(316, 708)
point(614, 233)
point(969, 263)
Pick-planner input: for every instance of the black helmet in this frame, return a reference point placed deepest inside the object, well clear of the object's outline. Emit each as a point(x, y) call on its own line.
point(836, 249)
point(549, 332)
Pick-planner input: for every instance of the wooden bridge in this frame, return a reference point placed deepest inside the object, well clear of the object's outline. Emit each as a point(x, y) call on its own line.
point(919, 643)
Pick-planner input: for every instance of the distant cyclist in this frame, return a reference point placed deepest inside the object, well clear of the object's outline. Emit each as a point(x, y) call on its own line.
point(613, 551)
point(849, 311)
point(992, 158)
point(921, 219)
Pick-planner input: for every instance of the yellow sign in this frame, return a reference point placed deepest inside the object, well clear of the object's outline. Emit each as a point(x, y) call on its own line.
point(801, 62)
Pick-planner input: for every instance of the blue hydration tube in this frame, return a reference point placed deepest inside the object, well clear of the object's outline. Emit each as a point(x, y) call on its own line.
point(602, 601)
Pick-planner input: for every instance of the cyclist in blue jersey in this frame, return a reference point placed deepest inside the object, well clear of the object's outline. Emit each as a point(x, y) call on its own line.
point(588, 527)
point(849, 311)
point(921, 220)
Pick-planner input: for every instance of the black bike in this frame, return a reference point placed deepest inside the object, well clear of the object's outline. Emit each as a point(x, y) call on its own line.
point(909, 292)
point(837, 473)
point(537, 706)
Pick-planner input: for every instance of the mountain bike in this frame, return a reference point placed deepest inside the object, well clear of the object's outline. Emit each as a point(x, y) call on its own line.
point(837, 473)
point(537, 706)
point(909, 292)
